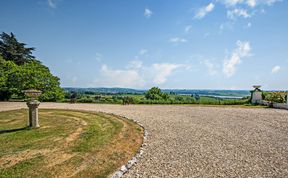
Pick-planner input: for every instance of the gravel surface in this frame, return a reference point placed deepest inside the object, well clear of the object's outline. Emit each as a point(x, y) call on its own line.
point(192, 141)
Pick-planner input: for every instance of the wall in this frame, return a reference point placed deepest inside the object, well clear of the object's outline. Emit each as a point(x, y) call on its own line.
point(274, 105)
point(280, 105)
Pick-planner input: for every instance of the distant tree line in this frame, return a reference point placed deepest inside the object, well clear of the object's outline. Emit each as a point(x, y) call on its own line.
point(19, 70)
point(153, 96)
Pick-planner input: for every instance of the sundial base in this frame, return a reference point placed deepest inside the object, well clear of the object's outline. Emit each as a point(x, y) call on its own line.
point(33, 114)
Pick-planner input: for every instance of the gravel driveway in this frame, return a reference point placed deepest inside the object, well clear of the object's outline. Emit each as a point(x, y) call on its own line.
point(192, 141)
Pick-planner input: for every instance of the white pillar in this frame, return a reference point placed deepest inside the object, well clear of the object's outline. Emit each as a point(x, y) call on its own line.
point(256, 97)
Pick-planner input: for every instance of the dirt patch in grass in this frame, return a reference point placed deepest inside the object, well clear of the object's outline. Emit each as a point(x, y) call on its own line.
point(11, 160)
point(68, 144)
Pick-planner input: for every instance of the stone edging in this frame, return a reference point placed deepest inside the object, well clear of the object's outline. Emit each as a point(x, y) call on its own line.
point(125, 168)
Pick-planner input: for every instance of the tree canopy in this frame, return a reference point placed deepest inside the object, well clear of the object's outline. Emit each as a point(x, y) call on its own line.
point(12, 50)
point(155, 93)
point(19, 70)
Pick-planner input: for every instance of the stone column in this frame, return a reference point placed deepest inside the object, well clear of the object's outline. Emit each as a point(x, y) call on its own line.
point(256, 95)
point(33, 113)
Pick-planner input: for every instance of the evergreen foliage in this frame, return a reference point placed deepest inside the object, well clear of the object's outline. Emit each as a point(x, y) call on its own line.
point(19, 70)
point(12, 50)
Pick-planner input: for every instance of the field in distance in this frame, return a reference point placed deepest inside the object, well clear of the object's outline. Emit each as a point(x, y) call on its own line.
point(165, 96)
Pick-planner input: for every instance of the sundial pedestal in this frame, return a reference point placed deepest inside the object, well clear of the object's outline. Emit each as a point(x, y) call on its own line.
point(33, 113)
point(33, 107)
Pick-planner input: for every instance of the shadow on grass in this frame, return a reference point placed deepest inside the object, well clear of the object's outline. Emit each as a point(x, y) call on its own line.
point(13, 130)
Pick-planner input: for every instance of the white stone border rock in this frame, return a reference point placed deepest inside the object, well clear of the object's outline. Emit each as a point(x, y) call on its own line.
point(125, 168)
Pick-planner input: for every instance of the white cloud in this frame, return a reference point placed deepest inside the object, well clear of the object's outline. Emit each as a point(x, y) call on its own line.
point(188, 29)
point(135, 65)
point(250, 3)
point(232, 2)
point(243, 50)
point(211, 67)
point(275, 69)
point(209, 7)
point(119, 78)
point(202, 12)
point(148, 13)
point(271, 2)
point(232, 14)
point(137, 75)
point(177, 40)
point(163, 71)
point(143, 51)
point(52, 3)
point(245, 8)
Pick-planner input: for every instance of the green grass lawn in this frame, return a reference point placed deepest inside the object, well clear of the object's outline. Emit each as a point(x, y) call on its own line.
point(68, 143)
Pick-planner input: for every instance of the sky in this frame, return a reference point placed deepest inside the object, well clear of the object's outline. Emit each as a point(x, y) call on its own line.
point(191, 44)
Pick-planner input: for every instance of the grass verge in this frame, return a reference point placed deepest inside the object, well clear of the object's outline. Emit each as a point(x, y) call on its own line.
point(68, 144)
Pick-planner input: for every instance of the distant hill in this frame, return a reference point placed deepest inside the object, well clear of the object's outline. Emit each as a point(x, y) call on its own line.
point(105, 90)
point(234, 93)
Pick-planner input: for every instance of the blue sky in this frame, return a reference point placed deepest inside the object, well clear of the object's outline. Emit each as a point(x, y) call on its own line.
point(194, 44)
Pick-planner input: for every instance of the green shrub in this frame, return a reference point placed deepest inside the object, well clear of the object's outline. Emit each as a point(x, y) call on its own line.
point(127, 100)
point(278, 97)
point(85, 100)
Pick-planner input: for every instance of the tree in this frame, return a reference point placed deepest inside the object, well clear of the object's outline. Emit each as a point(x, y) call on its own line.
point(155, 93)
point(73, 97)
point(30, 75)
point(2, 77)
point(3, 80)
point(197, 97)
point(6, 69)
point(127, 100)
point(19, 70)
point(12, 50)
